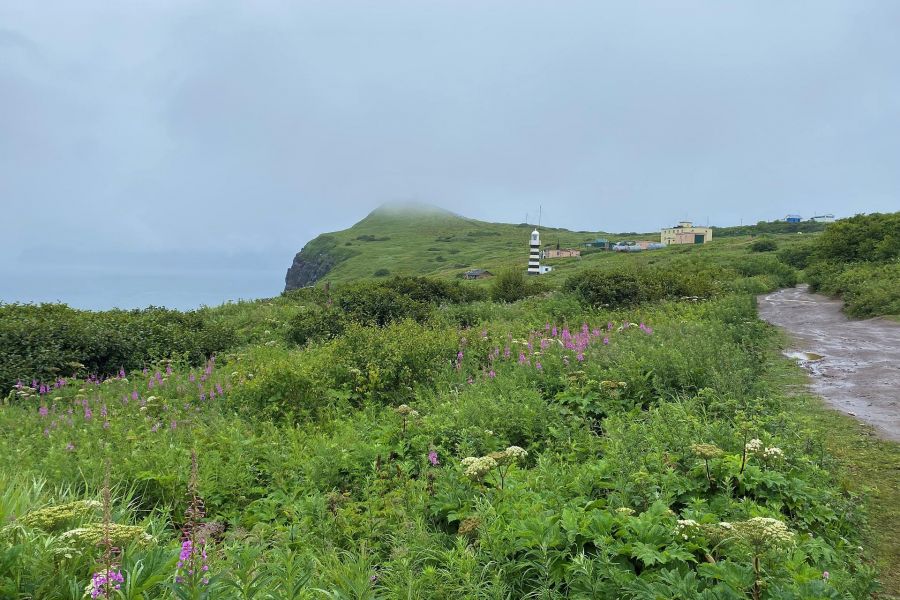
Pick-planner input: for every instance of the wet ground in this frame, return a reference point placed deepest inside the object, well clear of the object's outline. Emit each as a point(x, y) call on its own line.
point(853, 365)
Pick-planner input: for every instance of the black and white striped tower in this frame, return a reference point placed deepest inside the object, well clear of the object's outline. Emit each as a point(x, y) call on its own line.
point(534, 254)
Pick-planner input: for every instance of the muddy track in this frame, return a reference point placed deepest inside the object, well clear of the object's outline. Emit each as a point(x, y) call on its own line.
point(853, 365)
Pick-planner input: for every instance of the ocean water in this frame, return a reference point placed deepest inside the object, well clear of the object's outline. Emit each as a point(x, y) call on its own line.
point(104, 287)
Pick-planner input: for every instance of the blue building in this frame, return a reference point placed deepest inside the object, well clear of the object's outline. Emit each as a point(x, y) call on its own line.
point(793, 218)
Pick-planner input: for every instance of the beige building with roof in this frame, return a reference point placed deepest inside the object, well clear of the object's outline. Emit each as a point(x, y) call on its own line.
point(685, 233)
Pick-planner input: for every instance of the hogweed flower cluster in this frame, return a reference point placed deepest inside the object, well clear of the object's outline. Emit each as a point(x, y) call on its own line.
point(477, 468)
point(755, 447)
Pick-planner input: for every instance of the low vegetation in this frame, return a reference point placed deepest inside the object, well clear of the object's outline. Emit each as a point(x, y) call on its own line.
point(857, 259)
point(621, 428)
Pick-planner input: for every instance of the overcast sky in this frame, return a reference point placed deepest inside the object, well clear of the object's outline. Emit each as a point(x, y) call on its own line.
point(180, 153)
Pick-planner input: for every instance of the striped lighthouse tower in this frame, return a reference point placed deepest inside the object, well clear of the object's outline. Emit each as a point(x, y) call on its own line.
point(534, 254)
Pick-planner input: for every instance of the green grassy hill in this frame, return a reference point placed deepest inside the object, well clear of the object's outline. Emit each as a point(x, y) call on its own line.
point(417, 239)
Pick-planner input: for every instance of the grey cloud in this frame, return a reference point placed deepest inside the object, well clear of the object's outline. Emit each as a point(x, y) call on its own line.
point(231, 127)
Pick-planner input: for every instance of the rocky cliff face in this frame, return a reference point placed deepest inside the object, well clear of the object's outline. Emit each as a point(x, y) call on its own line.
point(314, 261)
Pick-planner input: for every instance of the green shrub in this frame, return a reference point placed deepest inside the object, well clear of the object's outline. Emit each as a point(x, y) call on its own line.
point(47, 341)
point(620, 287)
point(797, 256)
point(763, 245)
point(371, 303)
point(874, 237)
point(315, 324)
point(382, 273)
point(512, 285)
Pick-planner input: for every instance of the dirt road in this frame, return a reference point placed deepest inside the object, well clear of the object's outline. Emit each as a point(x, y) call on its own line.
point(854, 365)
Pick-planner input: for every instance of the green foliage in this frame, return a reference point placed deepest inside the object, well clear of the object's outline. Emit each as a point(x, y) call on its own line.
point(768, 227)
point(315, 323)
point(764, 245)
point(797, 256)
point(863, 238)
point(52, 340)
point(620, 287)
point(857, 259)
point(512, 285)
point(335, 469)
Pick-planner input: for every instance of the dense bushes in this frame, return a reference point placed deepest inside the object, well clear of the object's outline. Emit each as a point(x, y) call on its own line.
point(863, 238)
point(857, 259)
point(763, 245)
point(621, 287)
point(867, 289)
point(512, 285)
point(377, 304)
point(51, 340)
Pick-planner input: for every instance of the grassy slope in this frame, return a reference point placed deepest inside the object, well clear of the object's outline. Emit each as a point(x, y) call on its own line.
point(425, 241)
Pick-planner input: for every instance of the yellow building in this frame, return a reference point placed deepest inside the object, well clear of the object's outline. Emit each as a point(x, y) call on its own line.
point(685, 233)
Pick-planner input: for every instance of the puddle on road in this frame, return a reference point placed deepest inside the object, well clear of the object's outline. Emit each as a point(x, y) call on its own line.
point(804, 356)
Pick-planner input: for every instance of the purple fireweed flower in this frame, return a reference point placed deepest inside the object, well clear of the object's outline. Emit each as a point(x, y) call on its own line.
point(155, 427)
point(506, 352)
point(103, 411)
point(150, 384)
point(606, 341)
point(43, 411)
point(554, 331)
point(105, 580)
point(212, 394)
point(580, 357)
point(173, 425)
point(538, 366)
point(522, 359)
point(202, 397)
point(105, 424)
point(596, 332)
point(88, 415)
point(34, 383)
point(433, 458)
point(19, 385)
point(168, 369)
point(46, 432)
point(146, 370)
point(192, 378)
point(492, 374)
point(609, 326)
point(219, 389)
point(134, 395)
point(121, 372)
